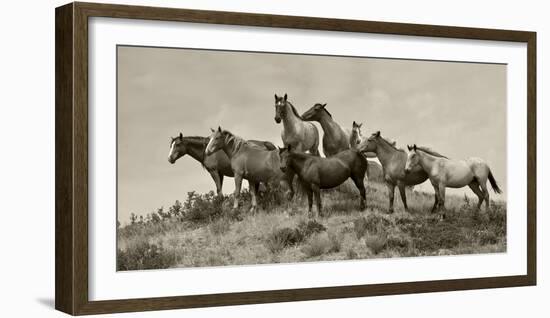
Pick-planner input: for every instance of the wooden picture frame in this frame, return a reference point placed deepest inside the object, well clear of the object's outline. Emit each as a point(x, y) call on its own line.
point(71, 123)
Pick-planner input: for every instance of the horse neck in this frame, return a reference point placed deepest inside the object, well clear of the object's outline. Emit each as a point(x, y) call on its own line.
point(232, 145)
point(330, 127)
point(385, 152)
point(195, 149)
point(297, 161)
point(290, 120)
point(426, 160)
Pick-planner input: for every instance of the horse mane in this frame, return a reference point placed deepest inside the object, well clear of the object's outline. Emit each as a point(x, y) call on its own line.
point(198, 139)
point(431, 152)
point(325, 110)
point(391, 144)
point(294, 110)
point(237, 141)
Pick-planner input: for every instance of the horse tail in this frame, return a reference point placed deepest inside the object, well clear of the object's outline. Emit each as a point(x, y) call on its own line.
point(493, 182)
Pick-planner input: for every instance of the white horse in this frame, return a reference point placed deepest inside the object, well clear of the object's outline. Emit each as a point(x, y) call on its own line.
point(444, 172)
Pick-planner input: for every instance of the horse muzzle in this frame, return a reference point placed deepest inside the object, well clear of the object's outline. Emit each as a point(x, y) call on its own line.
point(277, 120)
point(407, 170)
point(283, 169)
point(170, 160)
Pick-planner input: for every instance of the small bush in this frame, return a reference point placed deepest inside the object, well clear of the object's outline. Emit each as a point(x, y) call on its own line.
point(398, 242)
point(307, 228)
point(376, 243)
point(281, 238)
point(317, 246)
point(143, 255)
point(351, 254)
point(203, 208)
point(372, 224)
point(335, 242)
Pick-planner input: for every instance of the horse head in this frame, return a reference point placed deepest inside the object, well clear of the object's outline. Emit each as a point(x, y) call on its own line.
point(369, 144)
point(283, 155)
point(215, 142)
point(356, 135)
point(280, 107)
point(177, 148)
point(315, 112)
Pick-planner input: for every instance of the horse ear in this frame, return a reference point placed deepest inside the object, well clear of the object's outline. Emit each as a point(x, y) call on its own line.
point(414, 147)
point(409, 147)
point(285, 97)
point(323, 105)
point(212, 129)
point(181, 135)
point(354, 124)
point(276, 97)
point(219, 129)
point(378, 133)
point(361, 124)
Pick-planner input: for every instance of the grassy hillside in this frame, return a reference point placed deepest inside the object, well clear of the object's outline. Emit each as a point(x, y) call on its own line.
point(205, 231)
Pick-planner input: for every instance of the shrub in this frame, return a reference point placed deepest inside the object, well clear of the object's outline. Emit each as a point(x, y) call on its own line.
point(317, 246)
point(143, 255)
point(335, 242)
point(372, 224)
point(272, 196)
point(203, 208)
point(398, 242)
point(376, 243)
point(351, 254)
point(307, 228)
point(281, 238)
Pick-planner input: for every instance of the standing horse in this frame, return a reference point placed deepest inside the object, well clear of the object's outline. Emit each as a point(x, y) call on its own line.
point(374, 171)
point(335, 138)
point(393, 163)
point(249, 162)
point(302, 136)
point(316, 173)
point(218, 164)
point(444, 172)
point(355, 137)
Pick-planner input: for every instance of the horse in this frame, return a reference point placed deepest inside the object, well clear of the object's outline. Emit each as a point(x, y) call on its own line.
point(393, 162)
point(335, 138)
point(447, 173)
point(355, 137)
point(374, 171)
point(249, 162)
point(301, 135)
point(316, 173)
point(218, 164)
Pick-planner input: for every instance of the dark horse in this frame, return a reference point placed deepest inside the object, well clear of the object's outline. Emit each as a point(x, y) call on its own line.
point(249, 162)
point(218, 164)
point(316, 173)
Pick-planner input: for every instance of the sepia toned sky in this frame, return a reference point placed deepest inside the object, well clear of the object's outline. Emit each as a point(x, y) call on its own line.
point(459, 109)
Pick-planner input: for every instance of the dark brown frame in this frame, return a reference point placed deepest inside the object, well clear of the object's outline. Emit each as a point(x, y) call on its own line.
point(71, 154)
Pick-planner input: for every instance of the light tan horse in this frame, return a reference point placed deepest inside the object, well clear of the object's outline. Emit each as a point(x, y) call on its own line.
point(447, 173)
point(393, 162)
point(301, 135)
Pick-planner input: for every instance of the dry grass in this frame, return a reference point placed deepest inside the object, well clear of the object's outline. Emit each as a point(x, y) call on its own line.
point(281, 232)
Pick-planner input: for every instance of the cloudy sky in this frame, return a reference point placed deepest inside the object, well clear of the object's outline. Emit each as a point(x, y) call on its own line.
point(459, 109)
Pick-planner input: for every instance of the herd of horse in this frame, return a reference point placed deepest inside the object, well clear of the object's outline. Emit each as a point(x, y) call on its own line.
point(224, 154)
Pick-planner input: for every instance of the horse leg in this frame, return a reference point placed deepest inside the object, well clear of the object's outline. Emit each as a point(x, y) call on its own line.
point(238, 183)
point(309, 201)
point(441, 196)
point(363, 193)
point(254, 191)
point(391, 190)
point(436, 197)
point(216, 177)
point(289, 178)
point(474, 185)
point(401, 188)
point(483, 186)
point(317, 193)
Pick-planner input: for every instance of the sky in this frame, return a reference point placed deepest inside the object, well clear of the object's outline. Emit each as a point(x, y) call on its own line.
point(458, 109)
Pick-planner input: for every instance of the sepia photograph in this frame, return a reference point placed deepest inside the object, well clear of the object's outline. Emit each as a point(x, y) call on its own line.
point(229, 158)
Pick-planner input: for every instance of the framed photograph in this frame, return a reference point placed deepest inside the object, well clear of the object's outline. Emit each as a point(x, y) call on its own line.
point(211, 158)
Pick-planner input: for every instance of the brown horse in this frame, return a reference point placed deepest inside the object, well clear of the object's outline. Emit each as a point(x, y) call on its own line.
point(335, 138)
point(393, 163)
point(249, 162)
point(301, 135)
point(218, 164)
point(316, 173)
